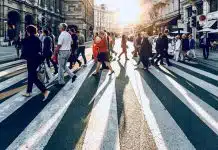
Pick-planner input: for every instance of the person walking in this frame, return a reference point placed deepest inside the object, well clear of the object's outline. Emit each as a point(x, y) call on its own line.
point(47, 50)
point(51, 35)
point(81, 47)
point(63, 50)
point(32, 52)
point(138, 44)
point(157, 48)
point(164, 49)
point(124, 47)
point(185, 47)
point(145, 52)
point(178, 48)
point(74, 47)
point(103, 53)
point(205, 45)
point(191, 46)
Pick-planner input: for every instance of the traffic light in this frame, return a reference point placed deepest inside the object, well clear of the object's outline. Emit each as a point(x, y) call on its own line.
point(193, 21)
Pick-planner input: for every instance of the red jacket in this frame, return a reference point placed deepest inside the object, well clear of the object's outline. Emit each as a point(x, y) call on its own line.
point(102, 45)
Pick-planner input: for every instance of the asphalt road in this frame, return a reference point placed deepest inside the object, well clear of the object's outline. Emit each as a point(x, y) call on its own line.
point(162, 108)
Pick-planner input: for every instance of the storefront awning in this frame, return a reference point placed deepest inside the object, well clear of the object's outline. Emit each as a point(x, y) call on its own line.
point(209, 24)
point(165, 22)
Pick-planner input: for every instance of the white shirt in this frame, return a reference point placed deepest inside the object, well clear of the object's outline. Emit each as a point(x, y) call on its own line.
point(178, 45)
point(65, 41)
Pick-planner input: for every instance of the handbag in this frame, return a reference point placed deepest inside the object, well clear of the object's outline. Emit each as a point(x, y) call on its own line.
point(55, 58)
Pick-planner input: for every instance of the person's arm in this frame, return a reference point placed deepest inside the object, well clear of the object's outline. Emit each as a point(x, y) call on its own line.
point(60, 42)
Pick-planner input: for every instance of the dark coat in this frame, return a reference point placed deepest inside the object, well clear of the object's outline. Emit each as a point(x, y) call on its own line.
point(185, 45)
point(32, 49)
point(146, 48)
point(75, 42)
point(47, 47)
point(158, 45)
point(164, 42)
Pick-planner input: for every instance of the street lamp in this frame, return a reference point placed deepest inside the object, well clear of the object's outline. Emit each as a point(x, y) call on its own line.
point(5, 29)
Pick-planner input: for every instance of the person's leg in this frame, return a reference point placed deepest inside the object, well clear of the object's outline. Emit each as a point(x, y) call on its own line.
point(98, 67)
point(48, 61)
point(207, 51)
point(61, 61)
point(193, 52)
point(55, 66)
point(167, 57)
point(109, 66)
point(30, 77)
point(204, 53)
point(83, 54)
point(177, 53)
point(66, 56)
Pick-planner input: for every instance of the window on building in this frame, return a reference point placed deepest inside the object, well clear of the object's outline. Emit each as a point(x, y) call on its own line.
point(189, 10)
point(199, 7)
point(213, 5)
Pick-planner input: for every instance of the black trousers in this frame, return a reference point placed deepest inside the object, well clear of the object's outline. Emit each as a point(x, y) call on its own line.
point(81, 50)
point(206, 52)
point(32, 76)
point(163, 54)
point(145, 61)
point(48, 60)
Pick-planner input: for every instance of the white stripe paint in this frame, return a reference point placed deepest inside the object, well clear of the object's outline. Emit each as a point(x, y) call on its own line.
point(204, 111)
point(102, 132)
point(37, 134)
point(11, 70)
point(11, 63)
point(199, 71)
point(7, 83)
point(8, 57)
point(201, 83)
point(15, 102)
point(166, 133)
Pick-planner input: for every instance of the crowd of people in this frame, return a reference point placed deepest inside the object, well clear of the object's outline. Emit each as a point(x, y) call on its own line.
point(39, 47)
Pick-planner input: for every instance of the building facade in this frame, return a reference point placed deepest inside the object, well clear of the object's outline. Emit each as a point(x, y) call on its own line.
point(105, 19)
point(17, 14)
point(79, 14)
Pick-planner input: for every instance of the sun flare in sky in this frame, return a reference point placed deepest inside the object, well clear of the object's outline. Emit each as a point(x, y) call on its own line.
point(128, 10)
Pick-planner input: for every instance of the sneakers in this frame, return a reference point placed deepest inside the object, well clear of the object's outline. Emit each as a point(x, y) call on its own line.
point(95, 74)
point(74, 78)
point(111, 73)
point(46, 94)
point(26, 94)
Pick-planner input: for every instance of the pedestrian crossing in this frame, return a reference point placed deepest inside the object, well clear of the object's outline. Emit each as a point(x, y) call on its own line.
point(179, 104)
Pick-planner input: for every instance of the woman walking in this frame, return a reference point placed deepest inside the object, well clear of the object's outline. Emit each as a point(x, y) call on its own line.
point(32, 52)
point(124, 47)
point(103, 53)
point(185, 47)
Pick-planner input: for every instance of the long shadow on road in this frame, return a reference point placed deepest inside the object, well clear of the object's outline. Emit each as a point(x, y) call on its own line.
point(70, 132)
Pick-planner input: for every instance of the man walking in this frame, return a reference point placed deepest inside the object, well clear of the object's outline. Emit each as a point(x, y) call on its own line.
point(164, 48)
point(81, 47)
point(63, 51)
point(205, 44)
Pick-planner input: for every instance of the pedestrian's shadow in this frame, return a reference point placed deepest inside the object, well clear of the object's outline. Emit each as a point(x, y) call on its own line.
point(121, 82)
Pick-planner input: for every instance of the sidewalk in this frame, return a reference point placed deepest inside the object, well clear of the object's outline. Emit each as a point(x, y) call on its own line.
point(211, 62)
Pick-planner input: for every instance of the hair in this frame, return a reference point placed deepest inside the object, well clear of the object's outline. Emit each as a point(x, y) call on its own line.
point(160, 34)
point(45, 32)
point(108, 33)
point(166, 31)
point(96, 34)
point(139, 34)
point(49, 29)
point(63, 26)
point(112, 33)
point(77, 31)
point(31, 29)
point(73, 30)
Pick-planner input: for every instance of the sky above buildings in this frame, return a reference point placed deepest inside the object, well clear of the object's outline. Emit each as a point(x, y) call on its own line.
point(128, 10)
